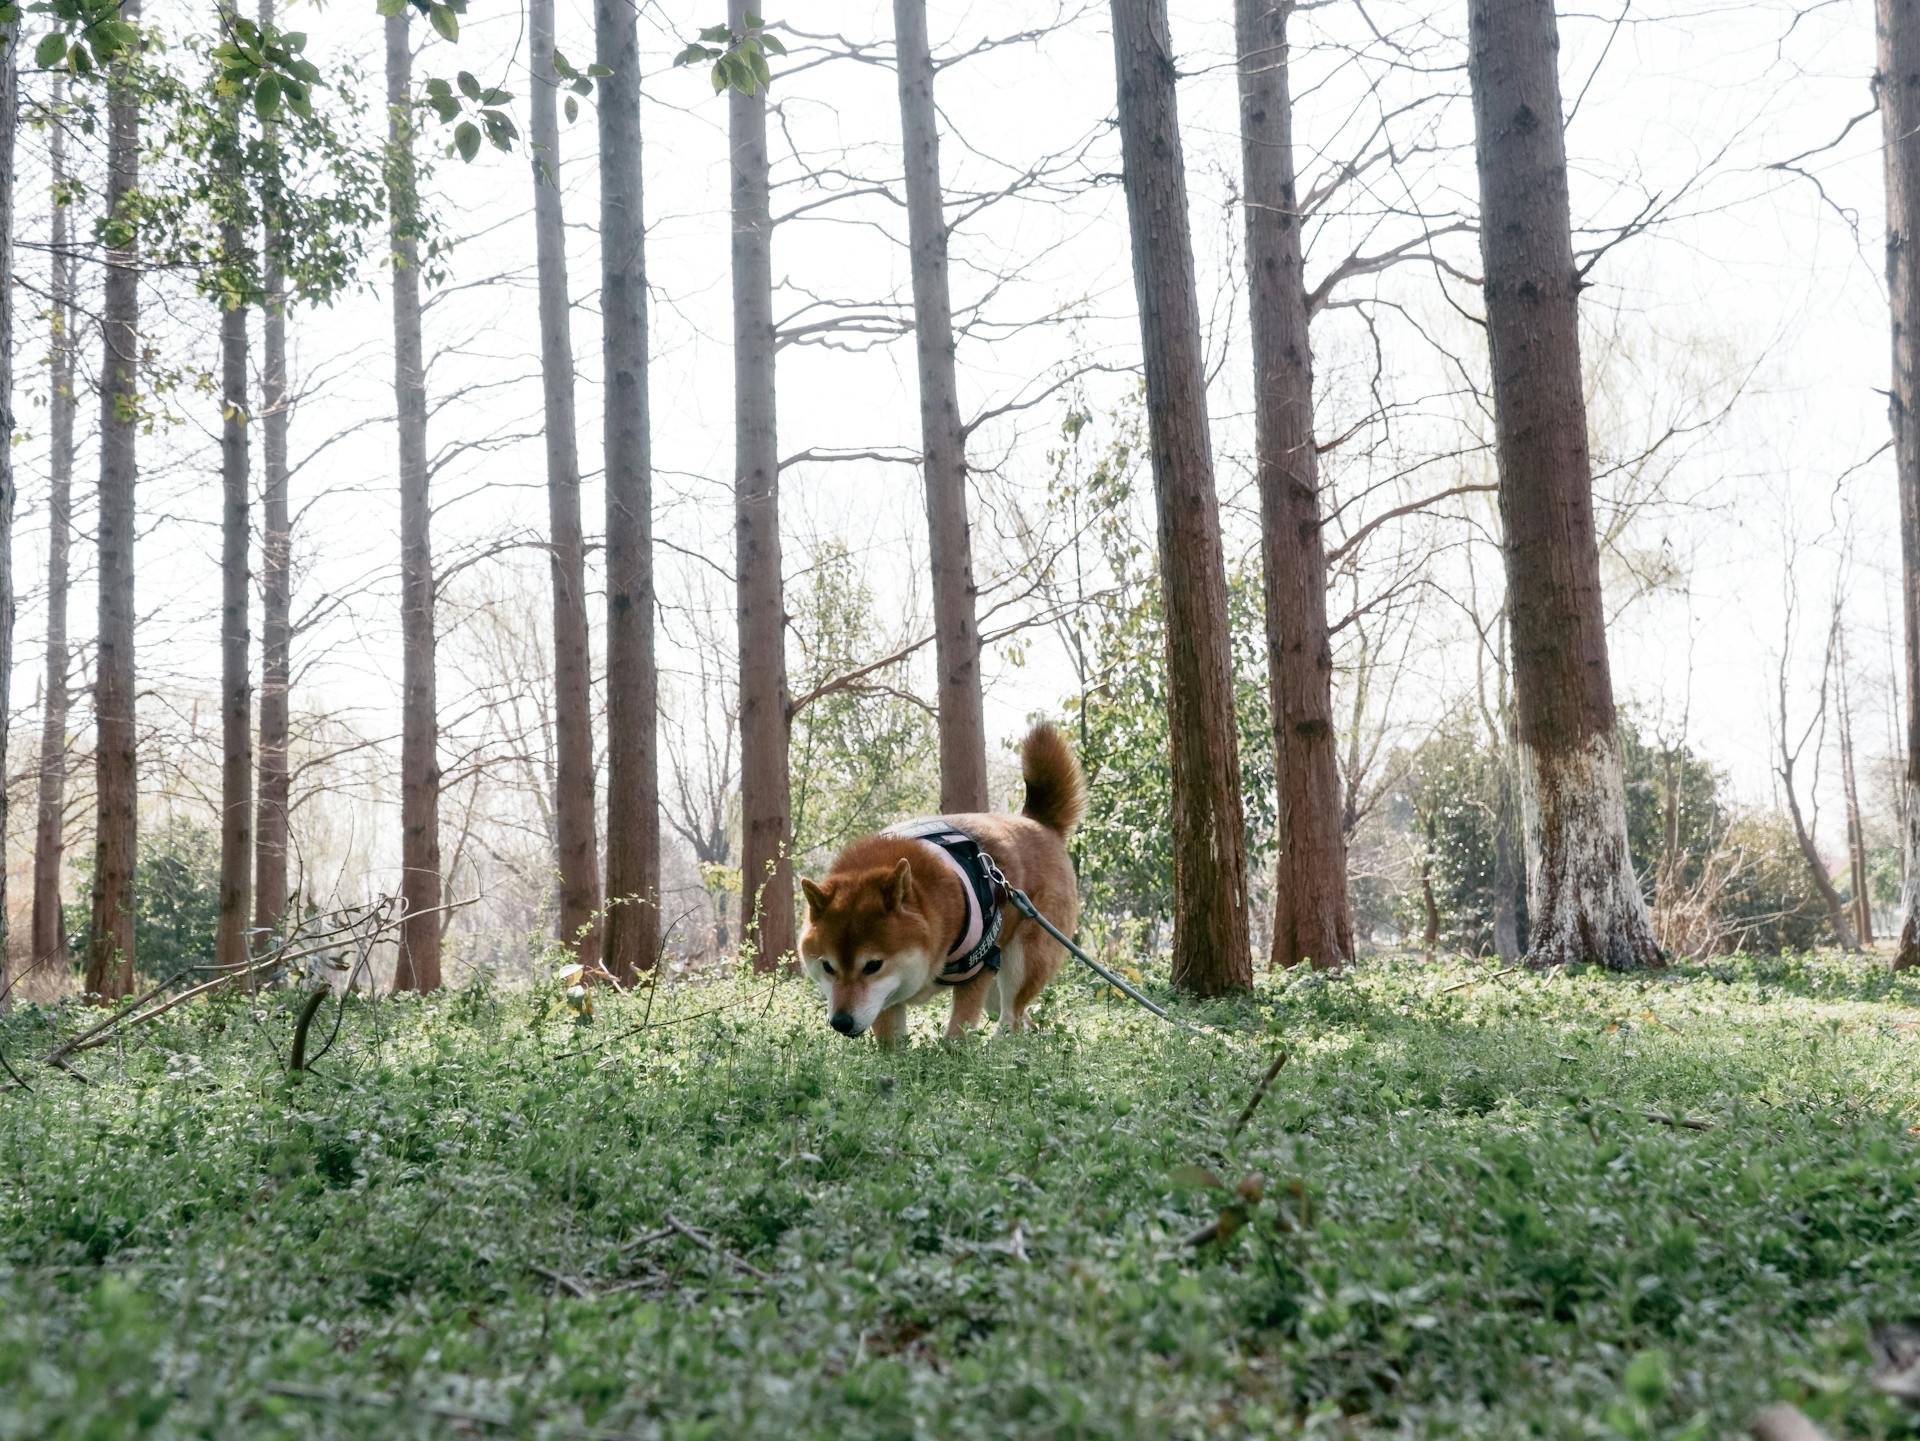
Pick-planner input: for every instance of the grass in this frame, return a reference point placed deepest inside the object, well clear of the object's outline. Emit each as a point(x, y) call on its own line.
point(1577, 1207)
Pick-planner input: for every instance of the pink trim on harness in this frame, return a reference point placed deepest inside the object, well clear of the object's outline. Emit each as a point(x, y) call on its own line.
point(976, 923)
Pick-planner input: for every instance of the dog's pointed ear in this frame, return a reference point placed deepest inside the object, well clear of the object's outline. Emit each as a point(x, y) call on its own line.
point(898, 888)
point(817, 897)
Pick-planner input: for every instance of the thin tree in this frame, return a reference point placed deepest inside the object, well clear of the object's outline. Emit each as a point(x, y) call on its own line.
point(1899, 56)
point(1210, 944)
point(236, 689)
point(1311, 919)
point(577, 846)
point(1850, 789)
point(417, 967)
point(270, 828)
point(766, 892)
point(1583, 902)
point(9, 125)
point(110, 956)
point(633, 688)
point(956, 627)
point(49, 838)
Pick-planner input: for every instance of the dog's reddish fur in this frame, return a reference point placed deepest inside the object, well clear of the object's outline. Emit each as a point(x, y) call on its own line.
point(893, 900)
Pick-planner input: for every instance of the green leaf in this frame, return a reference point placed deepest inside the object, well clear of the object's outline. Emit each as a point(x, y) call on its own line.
point(691, 54)
point(266, 97)
point(572, 109)
point(754, 22)
point(759, 63)
point(446, 22)
point(437, 87)
point(597, 70)
point(9, 13)
point(771, 44)
point(466, 139)
point(469, 87)
point(299, 99)
point(446, 107)
point(717, 35)
point(389, 8)
point(719, 75)
point(561, 64)
point(79, 58)
point(496, 97)
point(51, 50)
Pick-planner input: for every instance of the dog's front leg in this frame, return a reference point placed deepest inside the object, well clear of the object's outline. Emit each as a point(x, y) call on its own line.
point(968, 1001)
point(890, 1026)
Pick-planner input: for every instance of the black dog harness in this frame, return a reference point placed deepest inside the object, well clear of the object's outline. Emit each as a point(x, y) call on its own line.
point(977, 947)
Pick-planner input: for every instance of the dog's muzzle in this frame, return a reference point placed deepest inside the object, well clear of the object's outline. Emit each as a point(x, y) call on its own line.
point(844, 1023)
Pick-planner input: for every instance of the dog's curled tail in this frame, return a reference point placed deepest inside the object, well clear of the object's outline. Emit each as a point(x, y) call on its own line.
point(1056, 788)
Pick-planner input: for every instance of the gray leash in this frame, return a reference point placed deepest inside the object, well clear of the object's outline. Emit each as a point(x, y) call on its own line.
point(1023, 903)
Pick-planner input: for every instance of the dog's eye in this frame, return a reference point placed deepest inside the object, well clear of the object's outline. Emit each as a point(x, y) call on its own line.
point(827, 966)
point(873, 966)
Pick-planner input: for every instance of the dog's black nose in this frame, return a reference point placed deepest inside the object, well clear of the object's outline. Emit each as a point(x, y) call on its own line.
point(843, 1023)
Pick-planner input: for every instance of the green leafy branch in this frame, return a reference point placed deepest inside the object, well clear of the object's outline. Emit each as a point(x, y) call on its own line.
point(739, 61)
point(86, 36)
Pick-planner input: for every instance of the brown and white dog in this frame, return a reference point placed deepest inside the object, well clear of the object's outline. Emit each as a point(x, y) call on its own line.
point(890, 911)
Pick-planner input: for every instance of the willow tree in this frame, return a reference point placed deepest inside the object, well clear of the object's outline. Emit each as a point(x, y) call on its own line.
point(1583, 903)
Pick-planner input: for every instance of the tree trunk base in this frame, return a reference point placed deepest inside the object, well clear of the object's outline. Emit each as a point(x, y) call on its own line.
point(1582, 899)
point(1906, 952)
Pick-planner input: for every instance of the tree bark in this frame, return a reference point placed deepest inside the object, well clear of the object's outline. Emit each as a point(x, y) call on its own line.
point(633, 706)
point(110, 954)
point(271, 822)
point(1583, 902)
point(1311, 921)
point(578, 850)
point(1210, 943)
point(1898, 85)
point(417, 967)
point(766, 891)
point(49, 839)
point(956, 627)
point(9, 125)
point(236, 692)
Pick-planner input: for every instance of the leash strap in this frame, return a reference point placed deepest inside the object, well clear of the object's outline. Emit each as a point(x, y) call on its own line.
point(1024, 904)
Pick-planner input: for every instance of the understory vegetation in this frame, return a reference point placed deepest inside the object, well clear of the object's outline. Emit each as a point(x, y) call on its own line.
point(1471, 1203)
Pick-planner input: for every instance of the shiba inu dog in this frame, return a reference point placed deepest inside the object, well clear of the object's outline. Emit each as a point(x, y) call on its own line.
point(915, 910)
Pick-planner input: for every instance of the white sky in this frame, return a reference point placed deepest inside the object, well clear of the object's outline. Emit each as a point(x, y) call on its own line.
point(1757, 295)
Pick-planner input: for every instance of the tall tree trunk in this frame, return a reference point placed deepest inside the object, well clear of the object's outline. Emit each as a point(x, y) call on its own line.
point(633, 702)
point(577, 846)
point(766, 892)
point(49, 839)
point(271, 825)
point(9, 124)
point(1210, 945)
point(417, 967)
point(1583, 902)
point(236, 678)
point(1509, 879)
point(1856, 825)
point(956, 628)
point(1898, 84)
point(1311, 920)
point(110, 956)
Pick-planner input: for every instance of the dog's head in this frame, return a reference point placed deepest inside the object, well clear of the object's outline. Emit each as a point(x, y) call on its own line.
point(866, 943)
